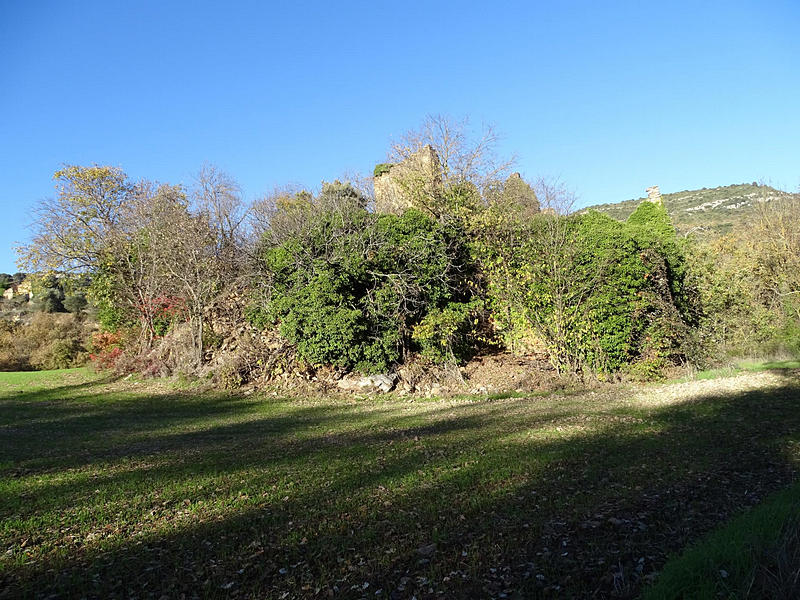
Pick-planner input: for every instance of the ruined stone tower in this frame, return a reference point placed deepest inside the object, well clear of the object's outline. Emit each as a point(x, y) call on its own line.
point(518, 193)
point(403, 184)
point(654, 195)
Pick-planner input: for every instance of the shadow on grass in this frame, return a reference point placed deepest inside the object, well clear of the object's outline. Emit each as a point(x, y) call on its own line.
point(477, 500)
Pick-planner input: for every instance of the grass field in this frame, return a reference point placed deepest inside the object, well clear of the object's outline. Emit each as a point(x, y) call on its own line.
point(755, 555)
point(130, 489)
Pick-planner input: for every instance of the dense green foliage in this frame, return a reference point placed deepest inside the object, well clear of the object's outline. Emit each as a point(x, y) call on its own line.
point(359, 290)
point(473, 260)
point(597, 294)
point(112, 312)
point(352, 288)
point(600, 294)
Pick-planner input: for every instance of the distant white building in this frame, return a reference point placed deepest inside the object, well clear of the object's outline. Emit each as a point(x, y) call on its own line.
point(19, 289)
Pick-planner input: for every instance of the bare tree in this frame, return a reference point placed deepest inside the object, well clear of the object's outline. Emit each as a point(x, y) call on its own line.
point(150, 247)
point(134, 255)
point(168, 258)
point(363, 185)
point(291, 211)
point(196, 271)
point(280, 213)
point(102, 223)
point(554, 195)
point(466, 155)
point(218, 197)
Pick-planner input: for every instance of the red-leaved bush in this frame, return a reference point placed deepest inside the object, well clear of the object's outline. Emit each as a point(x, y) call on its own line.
point(105, 349)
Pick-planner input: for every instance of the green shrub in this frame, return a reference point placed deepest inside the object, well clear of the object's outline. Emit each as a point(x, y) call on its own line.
point(75, 303)
point(50, 300)
point(113, 313)
point(600, 294)
point(444, 334)
point(381, 169)
point(351, 289)
point(790, 336)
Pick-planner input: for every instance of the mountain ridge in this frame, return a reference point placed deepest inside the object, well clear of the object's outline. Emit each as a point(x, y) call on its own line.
point(707, 211)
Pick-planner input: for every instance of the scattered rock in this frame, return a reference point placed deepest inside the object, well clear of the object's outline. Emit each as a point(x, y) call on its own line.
point(435, 390)
point(382, 383)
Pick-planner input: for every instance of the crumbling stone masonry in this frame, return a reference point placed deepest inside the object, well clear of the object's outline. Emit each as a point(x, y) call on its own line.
point(417, 176)
point(654, 195)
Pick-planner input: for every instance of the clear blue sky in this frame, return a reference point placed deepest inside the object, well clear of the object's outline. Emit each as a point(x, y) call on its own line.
point(610, 96)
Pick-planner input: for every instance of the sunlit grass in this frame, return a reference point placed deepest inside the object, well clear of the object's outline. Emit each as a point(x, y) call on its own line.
point(770, 365)
point(755, 555)
point(741, 366)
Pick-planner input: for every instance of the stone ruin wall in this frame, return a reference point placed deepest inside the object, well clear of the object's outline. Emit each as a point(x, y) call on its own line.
point(654, 195)
point(419, 174)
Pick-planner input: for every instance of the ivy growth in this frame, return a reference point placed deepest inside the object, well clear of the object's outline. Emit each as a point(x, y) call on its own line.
point(381, 169)
point(359, 290)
